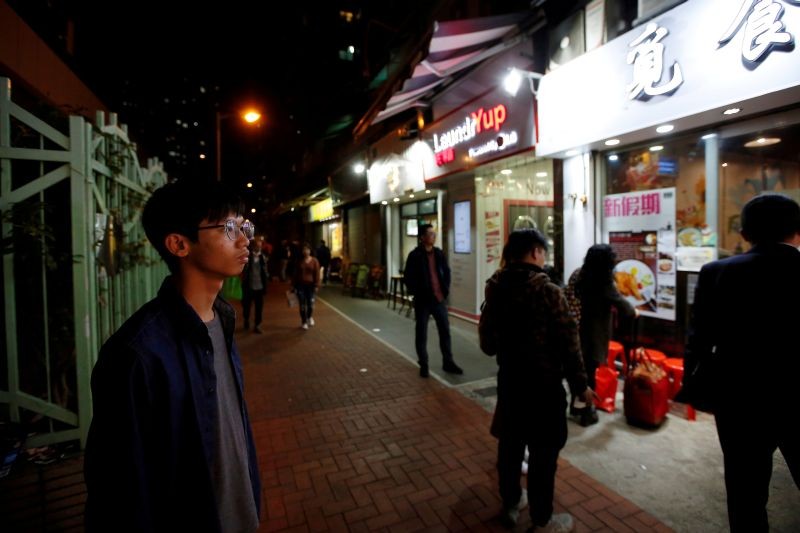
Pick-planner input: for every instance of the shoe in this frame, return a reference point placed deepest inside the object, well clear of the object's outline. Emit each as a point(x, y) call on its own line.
point(588, 416)
point(311, 321)
point(510, 516)
point(257, 329)
point(452, 368)
point(559, 523)
point(305, 325)
point(423, 371)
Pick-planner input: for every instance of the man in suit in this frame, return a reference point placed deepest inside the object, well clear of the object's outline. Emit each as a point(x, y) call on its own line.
point(744, 334)
point(427, 278)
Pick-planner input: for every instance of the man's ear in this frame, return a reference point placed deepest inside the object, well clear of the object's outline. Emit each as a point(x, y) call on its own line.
point(177, 244)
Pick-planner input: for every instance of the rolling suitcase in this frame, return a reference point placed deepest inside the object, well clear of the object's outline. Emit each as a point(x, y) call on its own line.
point(646, 392)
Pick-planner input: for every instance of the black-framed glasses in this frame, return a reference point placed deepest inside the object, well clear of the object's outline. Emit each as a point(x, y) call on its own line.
point(232, 229)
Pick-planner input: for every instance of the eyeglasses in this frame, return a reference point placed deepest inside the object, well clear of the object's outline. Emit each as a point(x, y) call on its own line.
point(232, 229)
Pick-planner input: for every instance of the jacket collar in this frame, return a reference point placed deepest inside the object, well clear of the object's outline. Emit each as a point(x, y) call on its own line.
point(185, 317)
point(776, 248)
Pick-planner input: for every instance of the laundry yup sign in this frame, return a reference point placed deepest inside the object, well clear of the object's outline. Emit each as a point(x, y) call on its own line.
point(479, 132)
point(477, 122)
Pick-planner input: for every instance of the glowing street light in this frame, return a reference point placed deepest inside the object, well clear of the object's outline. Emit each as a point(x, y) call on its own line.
point(250, 116)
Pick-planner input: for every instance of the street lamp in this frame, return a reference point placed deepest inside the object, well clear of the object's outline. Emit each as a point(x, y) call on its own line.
point(250, 116)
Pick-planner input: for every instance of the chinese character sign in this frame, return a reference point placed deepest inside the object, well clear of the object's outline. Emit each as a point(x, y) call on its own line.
point(764, 31)
point(647, 58)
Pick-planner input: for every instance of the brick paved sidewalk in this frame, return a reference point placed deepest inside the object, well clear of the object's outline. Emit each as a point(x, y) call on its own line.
point(350, 438)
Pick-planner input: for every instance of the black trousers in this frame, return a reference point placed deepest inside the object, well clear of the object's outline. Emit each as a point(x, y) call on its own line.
point(749, 438)
point(544, 431)
point(257, 298)
point(423, 311)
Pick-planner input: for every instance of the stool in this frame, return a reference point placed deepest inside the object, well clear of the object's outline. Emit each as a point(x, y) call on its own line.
point(674, 368)
point(615, 350)
point(396, 287)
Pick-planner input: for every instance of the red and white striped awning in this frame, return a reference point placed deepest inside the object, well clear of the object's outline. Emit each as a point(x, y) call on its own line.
point(455, 45)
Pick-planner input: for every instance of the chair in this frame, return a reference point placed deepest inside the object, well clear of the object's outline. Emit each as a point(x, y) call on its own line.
point(616, 350)
point(361, 281)
point(375, 282)
point(674, 368)
point(396, 288)
point(350, 277)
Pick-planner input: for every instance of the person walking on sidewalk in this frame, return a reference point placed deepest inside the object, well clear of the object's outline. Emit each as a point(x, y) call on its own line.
point(324, 258)
point(743, 339)
point(427, 278)
point(254, 285)
point(593, 286)
point(170, 446)
point(526, 322)
point(306, 285)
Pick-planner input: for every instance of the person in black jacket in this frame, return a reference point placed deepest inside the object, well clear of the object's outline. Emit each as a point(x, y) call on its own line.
point(526, 322)
point(427, 278)
point(743, 337)
point(170, 446)
point(254, 285)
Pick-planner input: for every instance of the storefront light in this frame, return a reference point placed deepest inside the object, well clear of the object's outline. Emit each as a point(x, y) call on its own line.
point(253, 210)
point(724, 164)
point(506, 171)
point(512, 82)
point(762, 141)
point(427, 191)
point(384, 202)
point(612, 142)
point(613, 157)
point(665, 128)
point(396, 200)
point(476, 179)
point(656, 148)
point(249, 185)
point(411, 195)
point(708, 136)
point(541, 174)
point(359, 168)
point(731, 111)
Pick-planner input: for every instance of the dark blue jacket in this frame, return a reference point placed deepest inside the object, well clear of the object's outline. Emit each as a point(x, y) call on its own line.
point(151, 441)
point(417, 274)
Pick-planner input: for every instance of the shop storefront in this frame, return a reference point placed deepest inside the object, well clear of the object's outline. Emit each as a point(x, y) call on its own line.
point(326, 226)
point(668, 130)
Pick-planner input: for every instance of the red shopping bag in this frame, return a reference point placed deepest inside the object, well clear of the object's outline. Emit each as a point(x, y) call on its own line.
point(646, 392)
point(606, 388)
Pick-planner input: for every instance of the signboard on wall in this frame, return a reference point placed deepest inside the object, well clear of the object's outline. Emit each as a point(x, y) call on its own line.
point(485, 129)
point(701, 56)
point(640, 227)
point(462, 243)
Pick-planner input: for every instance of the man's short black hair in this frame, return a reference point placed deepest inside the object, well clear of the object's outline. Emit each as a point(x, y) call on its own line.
point(522, 241)
point(180, 206)
point(770, 218)
point(422, 229)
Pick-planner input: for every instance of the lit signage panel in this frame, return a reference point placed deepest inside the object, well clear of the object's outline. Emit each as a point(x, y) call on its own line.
point(479, 132)
point(321, 210)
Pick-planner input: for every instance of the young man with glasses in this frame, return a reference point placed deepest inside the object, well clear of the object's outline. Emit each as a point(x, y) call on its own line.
point(170, 446)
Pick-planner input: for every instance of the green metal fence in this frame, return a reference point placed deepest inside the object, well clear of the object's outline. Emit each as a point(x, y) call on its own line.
point(75, 261)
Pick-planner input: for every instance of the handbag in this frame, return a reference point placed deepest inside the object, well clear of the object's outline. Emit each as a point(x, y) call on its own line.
point(646, 399)
point(232, 288)
point(291, 298)
point(606, 382)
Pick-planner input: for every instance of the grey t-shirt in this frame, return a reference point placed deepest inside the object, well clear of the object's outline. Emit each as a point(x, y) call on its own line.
point(255, 273)
point(230, 474)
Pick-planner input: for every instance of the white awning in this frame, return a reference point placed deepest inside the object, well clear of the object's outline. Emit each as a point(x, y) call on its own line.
point(455, 45)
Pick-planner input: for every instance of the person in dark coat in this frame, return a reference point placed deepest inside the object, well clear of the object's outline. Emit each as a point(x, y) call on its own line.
point(743, 336)
point(170, 446)
point(324, 258)
point(427, 278)
point(594, 286)
point(254, 285)
point(526, 322)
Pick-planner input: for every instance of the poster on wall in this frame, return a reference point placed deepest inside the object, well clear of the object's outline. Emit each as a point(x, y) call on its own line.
point(461, 216)
point(640, 227)
point(492, 238)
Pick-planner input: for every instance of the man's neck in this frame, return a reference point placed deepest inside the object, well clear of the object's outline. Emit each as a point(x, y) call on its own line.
point(428, 247)
point(199, 292)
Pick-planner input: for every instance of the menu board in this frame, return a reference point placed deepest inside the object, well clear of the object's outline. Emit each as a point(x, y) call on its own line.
point(640, 227)
point(461, 219)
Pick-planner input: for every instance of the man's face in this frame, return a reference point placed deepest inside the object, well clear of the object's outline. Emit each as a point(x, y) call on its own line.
point(214, 254)
point(429, 238)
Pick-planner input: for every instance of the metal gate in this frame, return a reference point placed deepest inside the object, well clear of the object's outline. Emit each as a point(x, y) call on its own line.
point(75, 261)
